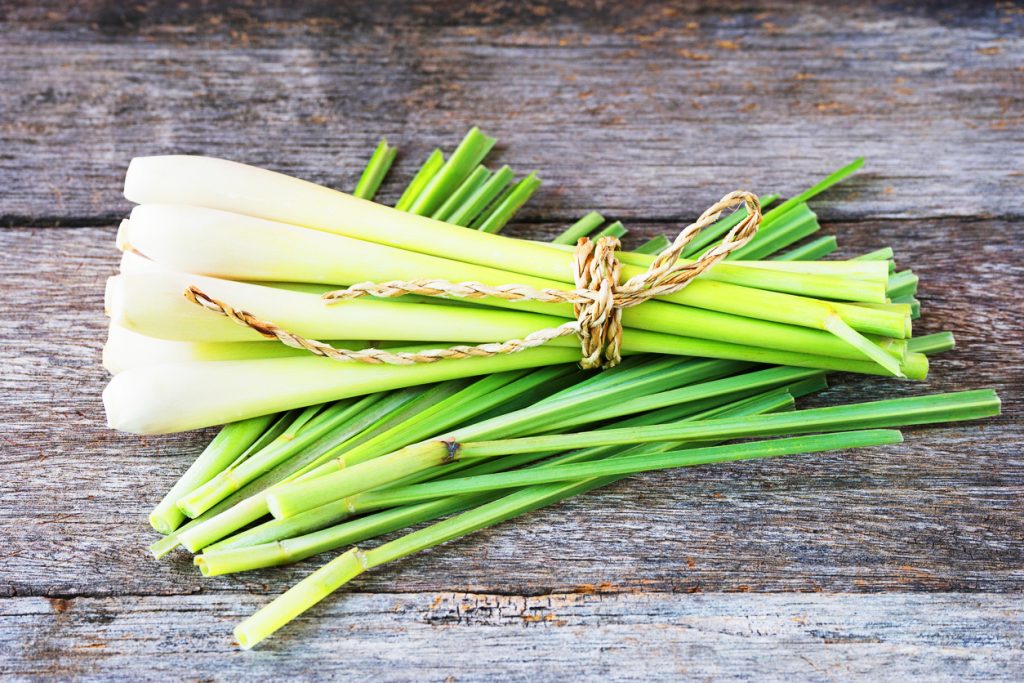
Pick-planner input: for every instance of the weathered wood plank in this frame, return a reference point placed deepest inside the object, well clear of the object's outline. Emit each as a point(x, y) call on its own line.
point(644, 111)
point(479, 637)
point(941, 512)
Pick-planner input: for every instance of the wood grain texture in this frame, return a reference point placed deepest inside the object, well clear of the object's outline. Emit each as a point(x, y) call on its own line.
point(649, 111)
point(901, 563)
point(486, 637)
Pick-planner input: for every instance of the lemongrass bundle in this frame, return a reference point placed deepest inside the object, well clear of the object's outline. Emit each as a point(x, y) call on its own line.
point(355, 455)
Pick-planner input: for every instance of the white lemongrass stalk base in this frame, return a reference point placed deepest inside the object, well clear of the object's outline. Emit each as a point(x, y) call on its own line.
point(126, 349)
point(153, 304)
point(177, 397)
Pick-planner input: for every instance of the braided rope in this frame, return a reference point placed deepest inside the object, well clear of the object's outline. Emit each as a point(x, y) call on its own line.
point(598, 298)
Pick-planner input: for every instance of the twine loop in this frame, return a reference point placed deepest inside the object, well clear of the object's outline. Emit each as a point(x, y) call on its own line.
point(598, 299)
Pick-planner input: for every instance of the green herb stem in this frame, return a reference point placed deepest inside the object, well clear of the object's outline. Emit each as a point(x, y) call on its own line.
point(378, 167)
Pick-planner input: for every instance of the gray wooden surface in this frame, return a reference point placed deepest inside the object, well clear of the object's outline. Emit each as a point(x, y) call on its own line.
point(896, 563)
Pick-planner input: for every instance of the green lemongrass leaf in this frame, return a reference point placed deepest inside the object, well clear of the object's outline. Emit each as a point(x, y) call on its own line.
point(890, 413)
point(231, 442)
point(466, 157)
point(711, 234)
point(580, 228)
point(871, 350)
point(341, 570)
point(883, 254)
point(295, 498)
point(470, 185)
point(495, 219)
point(899, 412)
point(474, 206)
point(423, 176)
point(378, 167)
point(830, 180)
point(616, 229)
point(655, 245)
point(646, 462)
point(224, 557)
point(915, 305)
point(812, 251)
point(799, 223)
point(901, 284)
point(932, 343)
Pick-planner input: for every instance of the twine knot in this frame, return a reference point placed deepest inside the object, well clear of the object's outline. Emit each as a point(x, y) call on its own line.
point(598, 299)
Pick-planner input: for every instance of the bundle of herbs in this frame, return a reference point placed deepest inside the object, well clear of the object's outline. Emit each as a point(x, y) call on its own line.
point(317, 454)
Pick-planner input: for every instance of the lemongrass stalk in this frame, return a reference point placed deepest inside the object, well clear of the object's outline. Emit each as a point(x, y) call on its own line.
point(178, 396)
point(756, 381)
point(780, 211)
point(616, 229)
point(812, 251)
point(225, 448)
point(196, 240)
point(182, 396)
point(301, 538)
point(294, 498)
point(484, 196)
point(291, 549)
point(227, 556)
point(152, 304)
point(832, 179)
point(645, 463)
point(224, 554)
point(332, 513)
point(323, 539)
point(133, 261)
point(903, 283)
point(875, 272)
point(493, 206)
point(466, 157)
point(336, 419)
point(126, 349)
point(349, 565)
point(254, 506)
point(737, 272)
point(557, 416)
point(653, 246)
point(200, 498)
point(495, 219)
point(932, 343)
point(915, 305)
point(371, 179)
point(573, 403)
point(247, 505)
point(714, 232)
point(351, 532)
point(580, 228)
point(860, 281)
point(483, 394)
point(220, 184)
point(470, 185)
point(778, 237)
point(775, 228)
point(918, 410)
point(419, 181)
point(378, 166)
point(883, 254)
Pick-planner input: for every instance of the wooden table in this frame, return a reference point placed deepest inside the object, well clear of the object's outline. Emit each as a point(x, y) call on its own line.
point(890, 563)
